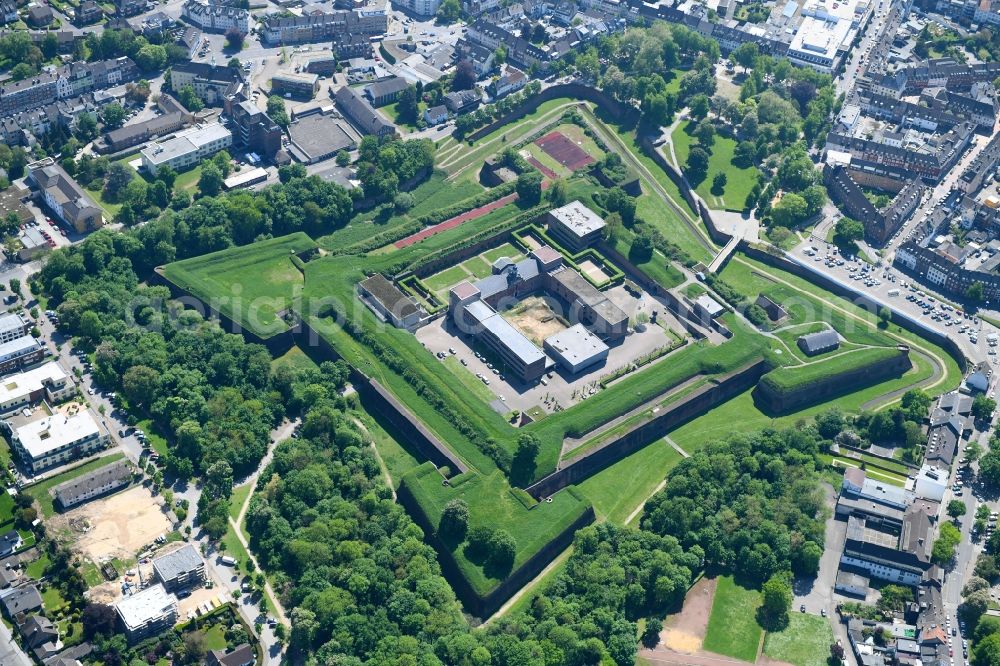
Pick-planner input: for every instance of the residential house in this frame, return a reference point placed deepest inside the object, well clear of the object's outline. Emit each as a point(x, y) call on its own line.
point(24, 599)
point(147, 612)
point(87, 12)
point(8, 12)
point(216, 16)
point(211, 83)
point(40, 16)
point(435, 115)
point(10, 541)
point(462, 101)
point(64, 196)
point(361, 114)
point(511, 81)
point(99, 482)
point(241, 655)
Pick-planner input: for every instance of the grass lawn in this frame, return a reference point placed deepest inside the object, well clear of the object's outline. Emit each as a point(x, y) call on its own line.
point(296, 358)
point(398, 459)
point(492, 503)
point(740, 179)
point(250, 283)
point(91, 574)
point(52, 599)
point(447, 278)
point(154, 436)
point(732, 627)
point(505, 250)
point(40, 491)
point(657, 267)
point(37, 568)
point(617, 490)
point(240, 493)
point(471, 383)
point(215, 637)
point(804, 642)
point(6, 509)
point(392, 111)
point(110, 209)
point(188, 180)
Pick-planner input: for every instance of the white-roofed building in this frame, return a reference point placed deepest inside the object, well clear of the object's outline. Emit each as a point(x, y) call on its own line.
point(47, 382)
point(575, 226)
point(576, 348)
point(12, 326)
point(186, 148)
point(820, 43)
point(55, 438)
point(147, 612)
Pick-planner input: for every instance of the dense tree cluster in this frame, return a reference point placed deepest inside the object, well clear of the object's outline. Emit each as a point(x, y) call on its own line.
point(752, 505)
point(385, 165)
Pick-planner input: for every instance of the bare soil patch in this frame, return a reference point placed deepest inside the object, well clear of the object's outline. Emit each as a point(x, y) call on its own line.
point(685, 631)
point(118, 526)
point(535, 319)
point(593, 270)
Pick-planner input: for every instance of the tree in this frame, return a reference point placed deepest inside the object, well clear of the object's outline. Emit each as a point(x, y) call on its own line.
point(234, 39)
point(884, 316)
point(15, 286)
point(989, 467)
point(558, 193)
point(719, 183)
point(138, 92)
point(944, 547)
point(791, 210)
point(194, 646)
point(975, 292)
point(982, 407)
point(836, 653)
point(529, 187)
point(343, 158)
point(696, 167)
point(276, 110)
point(113, 116)
point(465, 76)
point(189, 99)
point(210, 182)
point(449, 11)
point(698, 107)
point(987, 651)
point(502, 550)
point(454, 521)
point(118, 178)
point(86, 126)
point(523, 465)
point(956, 508)
point(98, 620)
point(776, 599)
point(151, 57)
point(651, 634)
point(408, 107)
point(744, 55)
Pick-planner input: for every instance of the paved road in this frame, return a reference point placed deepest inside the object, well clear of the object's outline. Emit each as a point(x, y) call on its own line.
point(10, 652)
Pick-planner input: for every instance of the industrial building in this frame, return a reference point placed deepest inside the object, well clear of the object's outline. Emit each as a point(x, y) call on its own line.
point(186, 148)
point(389, 303)
point(317, 136)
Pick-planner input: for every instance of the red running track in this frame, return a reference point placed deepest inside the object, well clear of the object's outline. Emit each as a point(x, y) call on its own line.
point(455, 221)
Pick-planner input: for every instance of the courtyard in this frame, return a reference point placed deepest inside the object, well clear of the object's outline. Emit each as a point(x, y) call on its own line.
point(538, 318)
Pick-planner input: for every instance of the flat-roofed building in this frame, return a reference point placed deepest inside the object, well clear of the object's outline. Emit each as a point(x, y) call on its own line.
point(182, 568)
point(245, 178)
point(50, 439)
point(708, 307)
point(47, 382)
point(576, 348)
point(588, 305)
point(519, 354)
point(139, 133)
point(317, 137)
point(387, 301)
point(575, 226)
point(102, 480)
point(19, 353)
point(186, 148)
point(12, 326)
point(301, 86)
point(147, 612)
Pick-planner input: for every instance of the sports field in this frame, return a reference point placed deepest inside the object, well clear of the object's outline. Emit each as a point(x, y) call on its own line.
point(251, 284)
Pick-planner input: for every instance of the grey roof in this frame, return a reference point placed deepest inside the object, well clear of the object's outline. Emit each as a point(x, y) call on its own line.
point(318, 135)
point(846, 578)
point(9, 541)
point(389, 295)
point(38, 630)
point(361, 113)
point(391, 86)
point(508, 273)
point(511, 338)
point(11, 321)
point(22, 600)
point(820, 341)
point(70, 491)
point(19, 347)
point(178, 563)
point(242, 654)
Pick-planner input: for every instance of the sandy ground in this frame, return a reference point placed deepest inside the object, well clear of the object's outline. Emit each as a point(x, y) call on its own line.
point(685, 631)
point(117, 526)
point(593, 271)
point(535, 319)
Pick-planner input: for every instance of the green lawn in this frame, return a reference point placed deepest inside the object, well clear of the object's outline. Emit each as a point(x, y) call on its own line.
point(37, 568)
point(397, 458)
point(52, 599)
point(215, 637)
point(447, 278)
point(492, 503)
point(110, 209)
point(40, 491)
point(250, 283)
point(732, 627)
point(188, 180)
point(240, 493)
point(91, 574)
point(740, 179)
point(657, 267)
point(157, 441)
point(505, 250)
point(471, 383)
point(804, 642)
point(296, 359)
point(617, 490)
